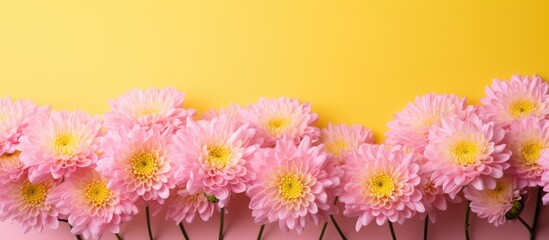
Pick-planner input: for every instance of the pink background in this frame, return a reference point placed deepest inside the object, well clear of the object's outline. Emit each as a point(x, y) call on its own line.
point(239, 225)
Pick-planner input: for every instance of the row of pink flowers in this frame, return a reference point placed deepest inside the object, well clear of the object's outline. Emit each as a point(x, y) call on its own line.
point(149, 151)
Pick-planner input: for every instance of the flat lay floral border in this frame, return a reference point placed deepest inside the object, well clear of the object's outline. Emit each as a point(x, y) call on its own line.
point(149, 153)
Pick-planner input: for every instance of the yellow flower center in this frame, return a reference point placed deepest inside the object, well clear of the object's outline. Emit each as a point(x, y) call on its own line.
point(34, 194)
point(65, 144)
point(502, 185)
point(521, 107)
point(218, 156)
point(337, 146)
point(148, 111)
point(144, 164)
point(465, 153)
point(97, 193)
point(381, 185)
point(277, 125)
point(290, 186)
point(531, 151)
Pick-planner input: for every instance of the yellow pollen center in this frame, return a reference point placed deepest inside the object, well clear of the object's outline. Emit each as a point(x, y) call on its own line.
point(501, 188)
point(531, 151)
point(144, 165)
point(337, 146)
point(34, 194)
point(277, 125)
point(381, 185)
point(97, 193)
point(65, 144)
point(218, 156)
point(290, 186)
point(465, 153)
point(520, 108)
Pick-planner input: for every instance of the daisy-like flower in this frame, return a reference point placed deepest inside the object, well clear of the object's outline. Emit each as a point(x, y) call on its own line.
point(92, 207)
point(28, 203)
point(213, 157)
point(233, 111)
point(282, 117)
point(183, 206)
point(136, 161)
point(527, 139)
point(160, 108)
point(14, 117)
point(381, 183)
point(57, 144)
point(340, 140)
point(295, 185)
point(504, 202)
point(466, 152)
point(411, 125)
point(11, 168)
point(510, 101)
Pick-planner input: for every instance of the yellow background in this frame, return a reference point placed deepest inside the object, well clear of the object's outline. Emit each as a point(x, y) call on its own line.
point(357, 61)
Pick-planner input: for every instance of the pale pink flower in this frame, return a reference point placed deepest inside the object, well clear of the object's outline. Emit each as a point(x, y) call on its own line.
point(340, 140)
point(136, 161)
point(527, 139)
point(28, 203)
point(462, 152)
point(11, 168)
point(214, 156)
point(92, 207)
point(282, 117)
point(511, 101)
point(232, 111)
point(57, 144)
point(381, 184)
point(160, 108)
point(411, 125)
point(14, 117)
point(183, 206)
point(495, 203)
point(295, 185)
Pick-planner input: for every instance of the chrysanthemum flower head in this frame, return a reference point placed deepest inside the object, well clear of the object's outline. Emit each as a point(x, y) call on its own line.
point(57, 144)
point(160, 108)
point(91, 206)
point(11, 168)
point(136, 161)
point(381, 183)
point(29, 203)
point(495, 204)
point(183, 206)
point(282, 117)
point(214, 156)
point(411, 125)
point(527, 139)
point(462, 152)
point(511, 101)
point(340, 140)
point(14, 117)
point(295, 185)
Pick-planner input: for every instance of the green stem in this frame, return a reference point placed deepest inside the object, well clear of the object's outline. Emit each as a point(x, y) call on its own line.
point(322, 232)
point(221, 221)
point(118, 236)
point(148, 222)
point(425, 227)
point(536, 215)
point(337, 228)
point(467, 212)
point(525, 224)
point(183, 231)
point(260, 231)
point(392, 230)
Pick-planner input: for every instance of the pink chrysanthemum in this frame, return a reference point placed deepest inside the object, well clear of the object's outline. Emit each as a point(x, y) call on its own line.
point(28, 203)
point(466, 152)
point(381, 183)
point(14, 117)
point(183, 206)
point(544, 162)
point(232, 111)
point(294, 185)
point(59, 143)
point(340, 140)
point(160, 108)
point(510, 101)
point(527, 139)
point(495, 203)
point(282, 117)
point(11, 168)
point(213, 156)
point(136, 161)
point(411, 125)
point(91, 206)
